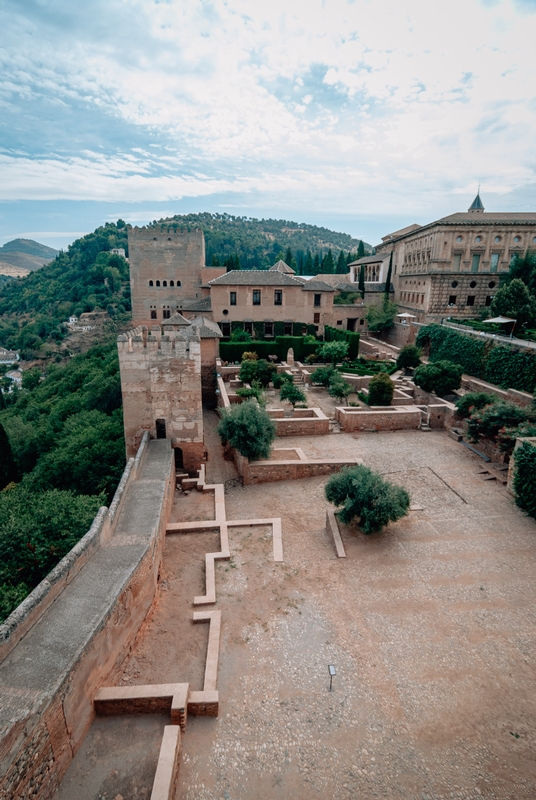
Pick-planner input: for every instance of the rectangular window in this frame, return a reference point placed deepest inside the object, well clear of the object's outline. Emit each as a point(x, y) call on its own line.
point(489, 298)
point(457, 262)
point(316, 319)
point(475, 262)
point(153, 314)
point(278, 297)
point(361, 321)
point(339, 322)
point(268, 328)
point(225, 328)
point(318, 300)
point(452, 300)
point(232, 298)
point(256, 297)
point(471, 300)
point(288, 329)
point(494, 263)
point(248, 327)
point(166, 313)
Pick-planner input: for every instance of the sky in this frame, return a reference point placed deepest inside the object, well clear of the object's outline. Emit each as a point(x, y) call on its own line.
point(360, 115)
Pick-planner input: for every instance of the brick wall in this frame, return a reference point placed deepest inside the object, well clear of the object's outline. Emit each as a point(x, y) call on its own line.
point(399, 418)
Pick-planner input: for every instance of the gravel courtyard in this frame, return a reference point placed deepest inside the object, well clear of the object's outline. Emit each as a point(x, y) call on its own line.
point(431, 626)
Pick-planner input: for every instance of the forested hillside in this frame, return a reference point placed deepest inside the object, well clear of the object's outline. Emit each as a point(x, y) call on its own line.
point(248, 243)
point(62, 454)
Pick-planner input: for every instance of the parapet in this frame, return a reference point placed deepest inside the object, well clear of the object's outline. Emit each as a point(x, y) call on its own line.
point(140, 339)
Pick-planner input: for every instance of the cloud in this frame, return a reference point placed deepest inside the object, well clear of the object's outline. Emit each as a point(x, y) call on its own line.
point(367, 103)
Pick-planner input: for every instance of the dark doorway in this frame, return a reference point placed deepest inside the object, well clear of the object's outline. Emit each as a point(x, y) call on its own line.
point(160, 428)
point(351, 324)
point(179, 462)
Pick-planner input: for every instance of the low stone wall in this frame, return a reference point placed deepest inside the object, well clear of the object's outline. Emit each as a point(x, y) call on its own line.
point(106, 586)
point(379, 418)
point(303, 422)
point(287, 470)
point(522, 399)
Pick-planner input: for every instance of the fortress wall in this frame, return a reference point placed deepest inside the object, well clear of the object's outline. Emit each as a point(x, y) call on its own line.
point(388, 418)
point(49, 679)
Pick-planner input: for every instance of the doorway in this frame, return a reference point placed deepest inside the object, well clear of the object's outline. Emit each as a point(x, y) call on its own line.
point(160, 428)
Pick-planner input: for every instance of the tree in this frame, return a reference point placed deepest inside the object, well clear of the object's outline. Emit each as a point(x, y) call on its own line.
point(248, 428)
point(524, 268)
point(409, 357)
point(259, 370)
point(240, 335)
point(515, 301)
point(361, 282)
point(342, 269)
point(389, 276)
point(288, 257)
point(489, 420)
point(333, 351)
point(8, 466)
point(293, 394)
point(328, 264)
point(360, 249)
point(339, 388)
point(308, 264)
point(381, 318)
point(364, 494)
point(281, 378)
point(316, 264)
point(524, 478)
point(381, 390)
point(31, 378)
point(323, 375)
point(473, 401)
point(440, 377)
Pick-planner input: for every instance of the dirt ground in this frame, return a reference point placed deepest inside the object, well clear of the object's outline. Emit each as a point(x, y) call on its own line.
point(430, 626)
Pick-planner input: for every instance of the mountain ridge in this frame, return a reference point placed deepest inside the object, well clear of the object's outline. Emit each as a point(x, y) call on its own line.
point(26, 254)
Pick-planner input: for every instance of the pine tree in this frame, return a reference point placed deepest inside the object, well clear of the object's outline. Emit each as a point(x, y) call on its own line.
point(361, 283)
point(342, 269)
point(8, 466)
point(316, 265)
point(328, 264)
point(361, 249)
point(308, 264)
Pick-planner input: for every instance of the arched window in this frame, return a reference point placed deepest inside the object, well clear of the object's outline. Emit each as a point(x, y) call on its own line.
point(151, 283)
point(164, 283)
point(171, 283)
point(179, 283)
point(158, 283)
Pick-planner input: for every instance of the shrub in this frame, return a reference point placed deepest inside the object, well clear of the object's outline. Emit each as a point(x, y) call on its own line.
point(281, 378)
point(248, 428)
point(339, 388)
point(249, 392)
point(333, 351)
point(473, 401)
point(506, 438)
point(381, 390)
point(248, 355)
point(489, 420)
point(240, 335)
point(365, 494)
point(409, 356)
point(292, 393)
point(248, 371)
point(525, 478)
point(440, 377)
point(323, 375)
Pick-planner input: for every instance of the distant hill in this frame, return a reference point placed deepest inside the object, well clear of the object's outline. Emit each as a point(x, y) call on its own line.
point(258, 242)
point(26, 254)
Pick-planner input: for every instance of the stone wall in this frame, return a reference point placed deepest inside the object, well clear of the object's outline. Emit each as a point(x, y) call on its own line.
point(253, 472)
point(303, 422)
point(161, 380)
point(380, 418)
point(51, 675)
point(522, 399)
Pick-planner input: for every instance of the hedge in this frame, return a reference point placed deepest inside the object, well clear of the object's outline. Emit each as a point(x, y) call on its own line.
point(232, 351)
point(336, 335)
point(498, 364)
point(525, 478)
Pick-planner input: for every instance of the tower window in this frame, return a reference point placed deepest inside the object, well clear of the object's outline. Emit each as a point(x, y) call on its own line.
point(172, 283)
point(151, 283)
point(166, 313)
point(164, 283)
point(153, 314)
point(158, 283)
point(179, 283)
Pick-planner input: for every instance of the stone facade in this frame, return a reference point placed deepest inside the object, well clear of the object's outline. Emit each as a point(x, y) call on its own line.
point(161, 385)
point(452, 267)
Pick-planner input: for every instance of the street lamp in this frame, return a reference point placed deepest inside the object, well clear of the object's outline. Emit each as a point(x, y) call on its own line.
point(332, 672)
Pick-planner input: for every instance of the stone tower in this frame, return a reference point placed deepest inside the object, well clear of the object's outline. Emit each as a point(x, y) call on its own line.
point(161, 385)
point(165, 270)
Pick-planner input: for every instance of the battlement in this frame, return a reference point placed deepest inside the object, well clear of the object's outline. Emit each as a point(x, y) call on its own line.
point(175, 342)
point(165, 233)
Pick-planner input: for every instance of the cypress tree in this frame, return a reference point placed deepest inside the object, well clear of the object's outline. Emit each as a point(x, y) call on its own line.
point(361, 249)
point(8, 466)
point(328, 264)
point(342, 269)
point(361, 283)
point(308, 265)
point(316, 265)
point(389, 274)
point(288, 257)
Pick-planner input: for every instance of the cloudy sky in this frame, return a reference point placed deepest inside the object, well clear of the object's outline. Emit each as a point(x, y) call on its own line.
point(362, 115)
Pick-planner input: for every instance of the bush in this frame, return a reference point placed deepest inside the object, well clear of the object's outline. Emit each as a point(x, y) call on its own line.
point(489, 420)
point(525, 478)
point(248, 428)
point(381, 390)
point(506, 438)
point(281, 378)
point(323, 375)
point(333, 351)
point(409, 356)
point(257, 370)
point(365, 494)
point(293, 394)
point(249, 392)
point(240, 335)
point(249, 355)
point(339, 388)
point(440, 377)
point(473, 401)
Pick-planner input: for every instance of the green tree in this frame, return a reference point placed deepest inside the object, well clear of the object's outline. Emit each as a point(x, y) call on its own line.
point(292, 394)
point(381, 318)
point(489, 420)
point(515, 301)
point(31, 378)
point(308, 264)
point(288, 257)
point(389, 276)
point(524, 268)
point(525, 478)
point(8, 466)
point(281, 378)
point(328, 264)
point(342, 269)
point(241, 335)
point(333, 351)
point(473, 401)
point(381, 390)
point(339, 388)
point(259, 370)
point(248, 428)
point(365, 495)
point(323, 376)
point(361, 282)
point(409, 357)
point(316, 264)
point(440, 377)
point(360, 250)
